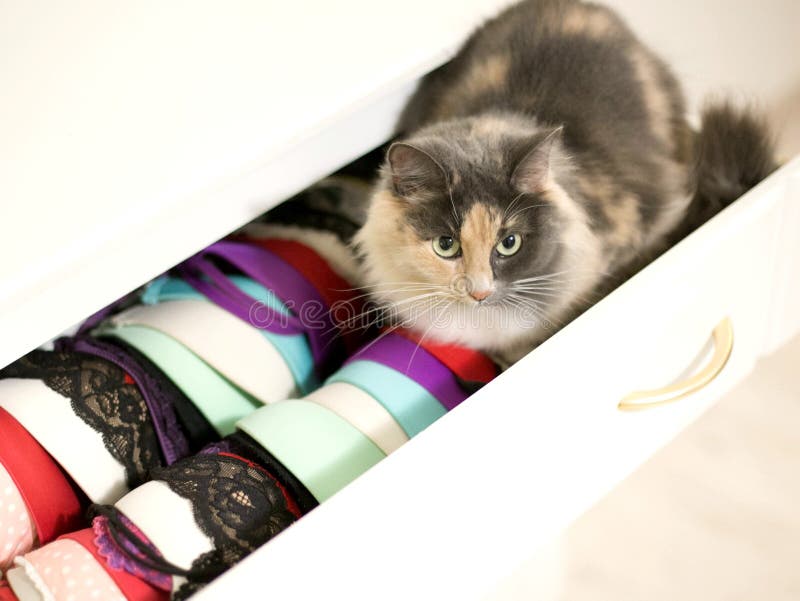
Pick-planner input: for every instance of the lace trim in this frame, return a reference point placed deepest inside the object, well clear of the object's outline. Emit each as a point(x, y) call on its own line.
point(100, 396)
point(236, 503)
point(159, 393)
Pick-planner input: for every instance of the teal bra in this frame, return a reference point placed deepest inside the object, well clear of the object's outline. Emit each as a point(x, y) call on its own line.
point(293, 348)
point(322, 449)
point(318, 447)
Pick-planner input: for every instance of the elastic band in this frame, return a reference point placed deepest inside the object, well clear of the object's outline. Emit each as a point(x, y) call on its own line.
point(466, 364)
point(320, 448)
point(133, 588)
point(52, 502)
point(233, 348)
point(415, 362)
point(293, 347)
point(413, 407)
point(220, 401)
point(363, 412)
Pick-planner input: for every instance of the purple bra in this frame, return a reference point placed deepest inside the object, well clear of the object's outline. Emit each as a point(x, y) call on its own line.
point(310, 313)
point(158, 394)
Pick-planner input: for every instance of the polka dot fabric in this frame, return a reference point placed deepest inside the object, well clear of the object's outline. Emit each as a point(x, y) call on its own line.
point(69, 572)
point(17, 532)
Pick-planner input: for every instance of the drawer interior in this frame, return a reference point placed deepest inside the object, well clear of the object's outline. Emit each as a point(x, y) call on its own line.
point(541, 443)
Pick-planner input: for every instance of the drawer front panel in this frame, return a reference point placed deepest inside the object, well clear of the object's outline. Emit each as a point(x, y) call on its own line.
point(452, 511)
point(784, 312)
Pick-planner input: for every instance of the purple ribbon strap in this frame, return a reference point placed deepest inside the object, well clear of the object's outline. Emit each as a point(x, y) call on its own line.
point(269, 270)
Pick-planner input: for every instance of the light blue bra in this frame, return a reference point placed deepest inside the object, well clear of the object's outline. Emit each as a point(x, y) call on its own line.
point(413, 407)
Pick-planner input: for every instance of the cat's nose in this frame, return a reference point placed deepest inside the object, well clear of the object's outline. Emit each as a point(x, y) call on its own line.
point(480, 295)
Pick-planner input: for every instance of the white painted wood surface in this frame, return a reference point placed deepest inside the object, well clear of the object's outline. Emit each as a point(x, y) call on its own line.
point(132, 134)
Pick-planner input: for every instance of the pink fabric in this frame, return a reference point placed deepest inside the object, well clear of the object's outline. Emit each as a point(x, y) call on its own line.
point(17, 532)
point(71, 573)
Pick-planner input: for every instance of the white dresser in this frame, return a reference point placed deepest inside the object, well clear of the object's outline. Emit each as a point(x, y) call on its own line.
point(134, 134)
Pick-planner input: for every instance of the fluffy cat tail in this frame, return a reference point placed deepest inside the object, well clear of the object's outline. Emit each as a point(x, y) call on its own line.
point(734, 151)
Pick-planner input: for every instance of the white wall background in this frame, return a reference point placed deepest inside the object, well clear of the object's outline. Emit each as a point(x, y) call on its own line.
point(746, 49)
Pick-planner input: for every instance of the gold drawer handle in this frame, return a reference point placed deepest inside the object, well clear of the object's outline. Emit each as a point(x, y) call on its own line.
point(645, 399)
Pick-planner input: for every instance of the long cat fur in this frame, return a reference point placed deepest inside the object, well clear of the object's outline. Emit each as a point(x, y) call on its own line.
point(555, 122)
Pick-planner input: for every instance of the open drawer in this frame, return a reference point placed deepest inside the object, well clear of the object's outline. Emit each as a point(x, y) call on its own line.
point(455, 509)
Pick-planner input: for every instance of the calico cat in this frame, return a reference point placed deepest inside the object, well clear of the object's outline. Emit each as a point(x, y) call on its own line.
point(547, 161)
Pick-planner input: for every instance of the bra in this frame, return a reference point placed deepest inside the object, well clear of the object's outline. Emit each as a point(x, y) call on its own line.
point(47, 393)
point(293, 348)
point(413, 386)
point(234, 349)
point(220, 401)
point(321, 449)
point(180, 428)
point(309, 313)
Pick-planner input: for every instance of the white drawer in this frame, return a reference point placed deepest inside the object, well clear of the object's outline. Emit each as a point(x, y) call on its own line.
point(455, 509)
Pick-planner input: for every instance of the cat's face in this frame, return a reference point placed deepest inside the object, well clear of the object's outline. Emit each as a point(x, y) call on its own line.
point(470, 239)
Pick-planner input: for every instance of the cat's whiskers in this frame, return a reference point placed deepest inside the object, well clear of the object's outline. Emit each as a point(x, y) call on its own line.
point(551, 293)
point(518, 304)
point(523, 209)
point(542, 292)
point(366, 322)
point(389, 330)
point(387, 289)
point(511, 205)
point(527, 299)
point(536, 308)
point(542, 277)
point(379, 293)
point(380, 284)
point(425, 334)
point(456, 216)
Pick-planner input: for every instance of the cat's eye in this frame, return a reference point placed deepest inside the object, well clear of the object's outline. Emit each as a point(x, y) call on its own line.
point(509, 245)
point(446, 246)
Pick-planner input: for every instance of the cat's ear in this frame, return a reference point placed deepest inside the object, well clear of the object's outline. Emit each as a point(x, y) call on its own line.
point(414, 171)
point(533, 172)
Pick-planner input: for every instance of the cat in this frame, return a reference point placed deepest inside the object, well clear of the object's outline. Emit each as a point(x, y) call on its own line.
point(550, 159)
